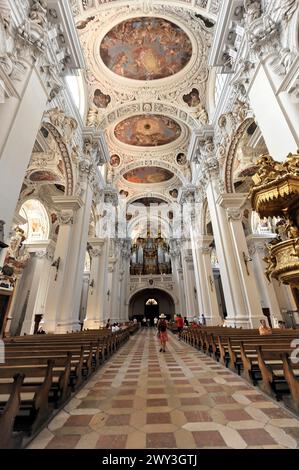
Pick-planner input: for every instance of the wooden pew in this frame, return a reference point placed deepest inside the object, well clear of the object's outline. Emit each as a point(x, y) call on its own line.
point(279, 376)
point(8, 438)
point(34, 406)
point(52, 367)
point(291, 373)
point(262, 360)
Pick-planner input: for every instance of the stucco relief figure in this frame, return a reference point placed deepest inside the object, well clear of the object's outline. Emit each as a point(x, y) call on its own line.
point(288, 7)
point(6, 40)
point(15, 243)
point(57, 117)
point(192, 99)
point(253, 10)
point(38, 12)
point(17, 254)
point(92, 117)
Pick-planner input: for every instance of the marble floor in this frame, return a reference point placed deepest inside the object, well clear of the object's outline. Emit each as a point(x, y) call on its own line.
point(142, 398)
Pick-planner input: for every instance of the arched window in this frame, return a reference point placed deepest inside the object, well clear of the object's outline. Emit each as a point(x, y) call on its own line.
point(76, 87)
point(37, 225)
point(151, 302)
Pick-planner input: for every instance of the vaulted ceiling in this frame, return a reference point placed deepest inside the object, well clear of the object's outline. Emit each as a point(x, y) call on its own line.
point(148, 77)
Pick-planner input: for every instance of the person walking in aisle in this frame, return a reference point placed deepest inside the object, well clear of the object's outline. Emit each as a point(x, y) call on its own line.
point(162, 331)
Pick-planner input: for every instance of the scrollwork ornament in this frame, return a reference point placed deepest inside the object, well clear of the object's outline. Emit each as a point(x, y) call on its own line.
point(66, 217)
point(95, 252)
point(234, 214)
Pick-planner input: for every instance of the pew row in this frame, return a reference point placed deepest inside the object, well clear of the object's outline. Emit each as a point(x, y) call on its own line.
point(42, 372)
point(264, 361)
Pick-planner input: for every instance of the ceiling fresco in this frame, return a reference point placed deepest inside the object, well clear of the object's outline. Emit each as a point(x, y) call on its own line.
point(148, 175)
point(147, 130)
point(146, 49)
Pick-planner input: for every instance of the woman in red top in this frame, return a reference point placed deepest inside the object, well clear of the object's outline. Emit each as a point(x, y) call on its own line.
point(179, 324)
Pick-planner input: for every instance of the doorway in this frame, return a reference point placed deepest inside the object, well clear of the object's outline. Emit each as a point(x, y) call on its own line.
point(150, 303)
point(151, 310)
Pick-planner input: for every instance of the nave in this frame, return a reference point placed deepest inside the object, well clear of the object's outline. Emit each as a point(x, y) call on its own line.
point(181, 399)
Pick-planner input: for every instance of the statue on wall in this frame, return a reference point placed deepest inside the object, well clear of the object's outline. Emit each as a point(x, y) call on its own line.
point(38, 12)
point(16, 243)
point(253, 10)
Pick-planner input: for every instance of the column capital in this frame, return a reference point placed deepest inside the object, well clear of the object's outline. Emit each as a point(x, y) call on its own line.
point(67, 203)
point(205, 241)
point(111, 196)
point(257, 243)
point(42, 249)
point(67, 206)
point(232, 201)
point(95, 243)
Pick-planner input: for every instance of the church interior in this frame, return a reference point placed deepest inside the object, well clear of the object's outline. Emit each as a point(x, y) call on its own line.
point(149, 175)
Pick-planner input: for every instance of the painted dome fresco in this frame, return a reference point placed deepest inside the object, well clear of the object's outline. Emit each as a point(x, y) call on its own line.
point(146, 49)
point(148, 175)
point(147, 130)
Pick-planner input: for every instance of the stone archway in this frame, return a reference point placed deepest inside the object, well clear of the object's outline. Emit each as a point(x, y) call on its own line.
point(164, 304)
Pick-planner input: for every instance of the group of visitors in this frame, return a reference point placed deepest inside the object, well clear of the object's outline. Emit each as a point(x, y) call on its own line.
point(114, 327)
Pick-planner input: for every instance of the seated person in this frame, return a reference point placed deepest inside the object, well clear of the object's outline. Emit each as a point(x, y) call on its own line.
point(264, 329)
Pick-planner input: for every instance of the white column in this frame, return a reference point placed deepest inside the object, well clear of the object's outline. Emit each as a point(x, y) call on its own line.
point(43, 257)
point(280, 132)
point(20, 120)
point(232, 288)
point(189, 284)
point(207, 296)
point(124, 278)
point(114, 291)
point(177, 275)
point(75, 262)
point(267, 290)
point(96, 313)
point(239, 285)
point(84, 297)
point(233, 203)
point(61, 283)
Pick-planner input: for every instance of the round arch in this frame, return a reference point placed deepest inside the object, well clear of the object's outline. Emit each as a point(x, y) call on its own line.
point(231, 155)
point(158, 195)
point(166, 302)
point(37, 226)
point(64, 155)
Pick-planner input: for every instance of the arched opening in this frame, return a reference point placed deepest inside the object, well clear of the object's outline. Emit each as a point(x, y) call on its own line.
point(150, 303)
point(37, 226)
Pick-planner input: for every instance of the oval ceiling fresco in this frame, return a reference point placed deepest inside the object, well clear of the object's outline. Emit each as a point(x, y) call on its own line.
point(148, 175)
point(147, 130)
point(146, 49)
